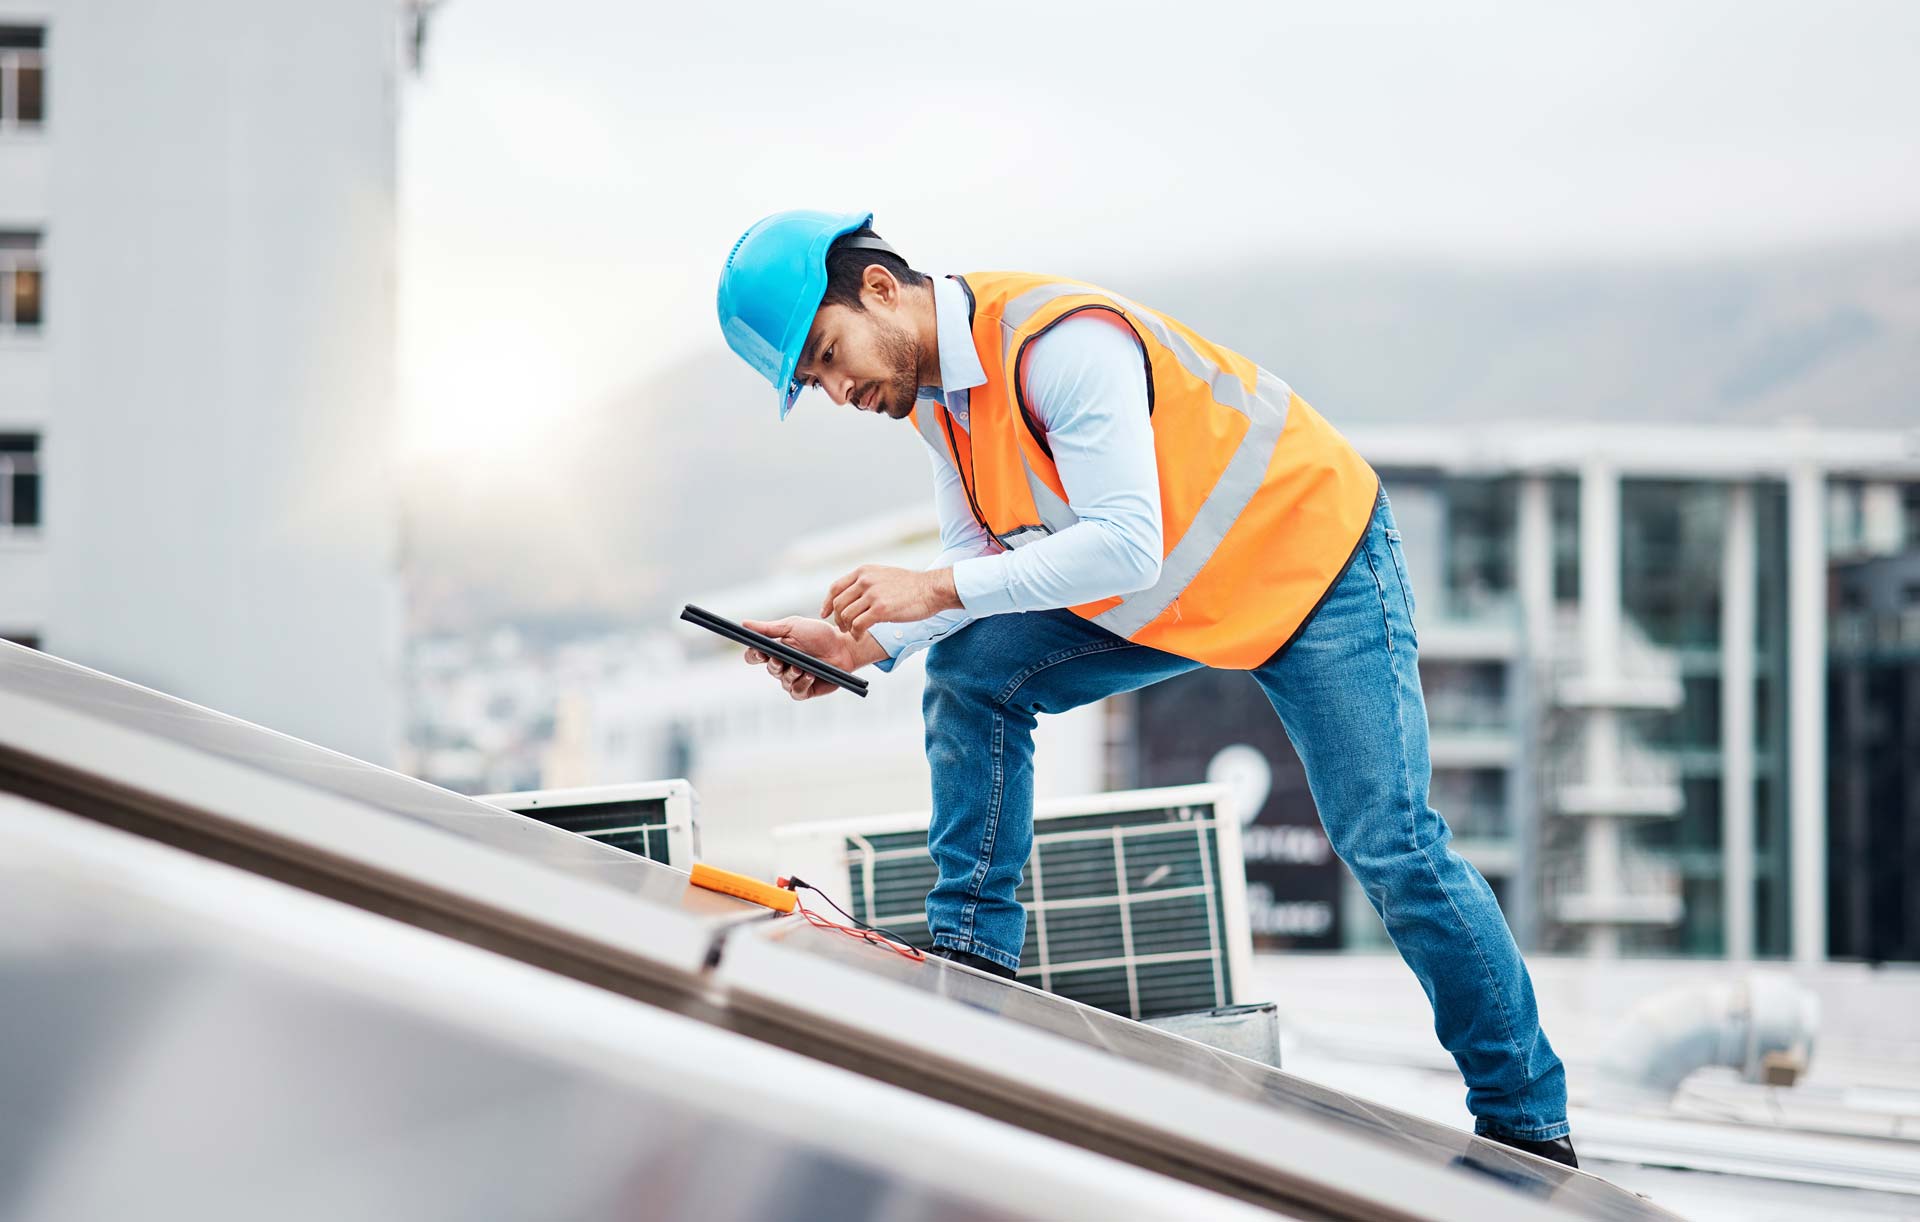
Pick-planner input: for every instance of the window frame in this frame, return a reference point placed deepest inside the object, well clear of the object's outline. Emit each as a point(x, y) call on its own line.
point(12, 60)
point(13, 261)
point(13, 464)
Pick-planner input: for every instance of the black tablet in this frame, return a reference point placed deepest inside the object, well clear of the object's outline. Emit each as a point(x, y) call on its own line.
point(804, 662)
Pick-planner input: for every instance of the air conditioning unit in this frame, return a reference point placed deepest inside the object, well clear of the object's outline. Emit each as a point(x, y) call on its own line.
point(658, 820)
point(1136, 901)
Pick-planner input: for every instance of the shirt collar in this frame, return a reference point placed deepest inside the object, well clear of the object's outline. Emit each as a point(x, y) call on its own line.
point(960, 367)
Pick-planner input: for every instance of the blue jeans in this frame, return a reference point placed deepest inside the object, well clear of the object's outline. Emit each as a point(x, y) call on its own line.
point(1347, 690)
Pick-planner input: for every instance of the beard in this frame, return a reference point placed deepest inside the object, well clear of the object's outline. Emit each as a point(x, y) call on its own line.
point(902, 355)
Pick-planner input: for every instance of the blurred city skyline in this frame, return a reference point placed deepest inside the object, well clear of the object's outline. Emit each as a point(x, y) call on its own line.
point(569, 185)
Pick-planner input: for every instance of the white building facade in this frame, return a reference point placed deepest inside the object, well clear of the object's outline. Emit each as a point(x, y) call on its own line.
point(197, 263)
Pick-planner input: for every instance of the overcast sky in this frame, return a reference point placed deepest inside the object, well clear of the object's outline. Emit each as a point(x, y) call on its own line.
point(574, 172)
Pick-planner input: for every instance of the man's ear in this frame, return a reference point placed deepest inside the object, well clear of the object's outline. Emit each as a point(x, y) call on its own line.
point(878, 284)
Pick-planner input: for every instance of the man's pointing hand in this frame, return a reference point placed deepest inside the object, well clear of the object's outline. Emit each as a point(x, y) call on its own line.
point(876, 594)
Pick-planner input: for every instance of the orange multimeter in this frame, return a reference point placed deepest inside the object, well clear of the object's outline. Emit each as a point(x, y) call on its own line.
point(747, 888)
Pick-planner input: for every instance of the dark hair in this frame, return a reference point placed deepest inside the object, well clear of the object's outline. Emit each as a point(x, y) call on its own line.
point(846, 264)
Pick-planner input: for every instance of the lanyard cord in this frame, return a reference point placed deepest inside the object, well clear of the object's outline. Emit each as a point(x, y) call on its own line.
point(968, 476)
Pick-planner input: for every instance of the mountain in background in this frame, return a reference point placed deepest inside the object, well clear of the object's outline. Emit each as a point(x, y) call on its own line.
point(688, 482)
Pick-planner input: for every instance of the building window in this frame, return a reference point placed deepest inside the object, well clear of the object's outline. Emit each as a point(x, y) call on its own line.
point(1566, 540)
point(26, 638)
point(22, 288)
point(1473, 801)
point(1481, 536)
point(19, 482)
point(1465, 695)
point(1670, 548)
point(23, 78)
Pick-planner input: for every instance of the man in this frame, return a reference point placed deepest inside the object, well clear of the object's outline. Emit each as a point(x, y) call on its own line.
point(1122, 501)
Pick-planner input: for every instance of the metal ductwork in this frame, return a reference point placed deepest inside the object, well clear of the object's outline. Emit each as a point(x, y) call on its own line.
point(1761, 1026)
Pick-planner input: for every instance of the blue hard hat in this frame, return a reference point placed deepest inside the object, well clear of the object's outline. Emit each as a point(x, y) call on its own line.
point(771, 288)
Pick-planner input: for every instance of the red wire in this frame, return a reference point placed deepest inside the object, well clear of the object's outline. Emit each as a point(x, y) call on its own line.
point(873, 936)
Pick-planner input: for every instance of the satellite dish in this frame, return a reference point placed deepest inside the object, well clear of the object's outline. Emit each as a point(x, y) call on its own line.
point(1247, 775)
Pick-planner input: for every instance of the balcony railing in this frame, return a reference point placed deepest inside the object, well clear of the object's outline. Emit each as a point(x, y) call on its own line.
point(1635, 778)
point(1648, 893)
point(1860, 632)
point(1644, 675)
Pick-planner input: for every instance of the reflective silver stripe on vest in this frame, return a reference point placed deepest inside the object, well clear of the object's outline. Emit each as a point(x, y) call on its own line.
point(927, 417)
point(1055, 514)
point(1266, 413)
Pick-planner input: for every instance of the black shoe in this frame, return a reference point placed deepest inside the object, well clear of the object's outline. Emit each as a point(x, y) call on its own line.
point(975, 961)
point(1559, 1150)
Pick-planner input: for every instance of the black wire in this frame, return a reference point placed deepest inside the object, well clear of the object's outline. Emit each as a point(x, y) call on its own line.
point(801, 884)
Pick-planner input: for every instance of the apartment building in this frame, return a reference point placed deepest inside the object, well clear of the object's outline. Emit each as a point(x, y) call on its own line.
point(1642, 618)
point(24, 395)
point(197, 226)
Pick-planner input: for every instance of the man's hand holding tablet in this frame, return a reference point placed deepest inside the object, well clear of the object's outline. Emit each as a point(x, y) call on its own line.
point(814, 641)
point(819, 639)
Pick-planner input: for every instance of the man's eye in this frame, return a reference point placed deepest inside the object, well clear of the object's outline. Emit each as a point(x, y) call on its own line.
point(826, 358)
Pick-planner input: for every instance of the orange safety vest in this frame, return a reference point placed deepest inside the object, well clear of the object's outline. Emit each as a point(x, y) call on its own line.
point(1262, 502)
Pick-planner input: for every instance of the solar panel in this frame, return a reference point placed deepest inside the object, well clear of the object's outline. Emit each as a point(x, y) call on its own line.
point(126, 756)
point(186, 1040)
point(135, 757)
point(1141, 1093)
point(653, 819)
point(1135, 901)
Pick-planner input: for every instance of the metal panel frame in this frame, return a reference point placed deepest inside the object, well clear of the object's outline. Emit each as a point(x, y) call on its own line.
point(712, 1072)
point(682, 814)
point(343, 847)
point(1065, 1089)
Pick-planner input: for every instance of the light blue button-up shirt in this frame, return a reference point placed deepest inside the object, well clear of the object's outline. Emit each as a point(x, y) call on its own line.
point(1087, 386)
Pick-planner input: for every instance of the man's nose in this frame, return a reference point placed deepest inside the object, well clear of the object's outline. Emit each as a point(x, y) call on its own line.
point(840, 390)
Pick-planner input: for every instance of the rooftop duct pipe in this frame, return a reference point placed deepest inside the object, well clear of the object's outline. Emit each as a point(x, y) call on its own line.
point(1760, 1025)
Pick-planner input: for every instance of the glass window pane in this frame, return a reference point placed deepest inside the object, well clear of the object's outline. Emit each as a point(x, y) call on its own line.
point(26, 500)
point(1566, 540)
point(1480, 543)
point(26, 297)
point(30, 90)
point(1670, 559)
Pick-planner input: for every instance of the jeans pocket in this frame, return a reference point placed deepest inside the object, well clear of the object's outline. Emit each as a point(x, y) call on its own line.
point(1400, 577)
point(1380, 588)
